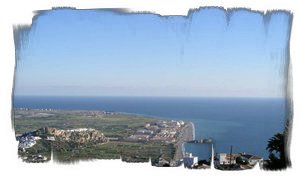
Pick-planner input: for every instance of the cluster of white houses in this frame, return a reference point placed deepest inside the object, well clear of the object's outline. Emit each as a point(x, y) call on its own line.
point(161, 130)
point(27, 140)
point(236, 161)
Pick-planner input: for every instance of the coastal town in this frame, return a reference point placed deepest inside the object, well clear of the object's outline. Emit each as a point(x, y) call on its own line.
point(67, 132)
point(64, 137)
point(160, 131)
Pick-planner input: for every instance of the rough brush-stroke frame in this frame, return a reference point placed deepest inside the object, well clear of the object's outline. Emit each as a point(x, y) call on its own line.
point(21, 34)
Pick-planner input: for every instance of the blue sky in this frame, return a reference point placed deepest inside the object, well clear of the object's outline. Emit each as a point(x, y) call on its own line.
point(103, 53)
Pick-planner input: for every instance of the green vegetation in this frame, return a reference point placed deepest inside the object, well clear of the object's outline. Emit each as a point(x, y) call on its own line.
point(277, 147)
point(112, 125)
point(118, 125)
point(128, 151)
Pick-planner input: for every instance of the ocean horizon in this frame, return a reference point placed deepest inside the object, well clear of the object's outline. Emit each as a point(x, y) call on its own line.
point(244, 123)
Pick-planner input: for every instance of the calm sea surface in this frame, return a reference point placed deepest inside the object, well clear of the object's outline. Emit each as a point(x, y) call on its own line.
point(244, 123)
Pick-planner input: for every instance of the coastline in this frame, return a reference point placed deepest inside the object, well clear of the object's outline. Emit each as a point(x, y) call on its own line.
point(194, 130)
point(187, 134)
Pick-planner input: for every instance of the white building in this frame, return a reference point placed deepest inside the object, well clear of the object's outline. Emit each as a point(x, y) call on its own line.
point(181, 122)
point(252, 159)
point(189, 160)
point(50, 138)
point(226, 159)
point(27, 143)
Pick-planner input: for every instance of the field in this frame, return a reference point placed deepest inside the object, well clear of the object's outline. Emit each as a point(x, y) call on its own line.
point(110, 124)
point(128, 151)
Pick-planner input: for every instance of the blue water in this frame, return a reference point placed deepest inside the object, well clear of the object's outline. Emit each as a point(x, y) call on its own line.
point(244, 123)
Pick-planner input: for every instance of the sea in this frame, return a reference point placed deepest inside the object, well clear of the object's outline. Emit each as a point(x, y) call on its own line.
point(245, 124)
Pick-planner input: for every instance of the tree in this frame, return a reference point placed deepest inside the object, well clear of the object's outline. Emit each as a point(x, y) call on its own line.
point(278, 158)
point(277, 154)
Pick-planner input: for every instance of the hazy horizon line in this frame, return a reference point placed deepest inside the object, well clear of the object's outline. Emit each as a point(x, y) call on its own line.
point(147, 96)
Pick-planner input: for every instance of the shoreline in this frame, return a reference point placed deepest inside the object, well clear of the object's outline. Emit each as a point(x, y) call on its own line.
point(193, 138)
point(186, 134)
point(194, 130)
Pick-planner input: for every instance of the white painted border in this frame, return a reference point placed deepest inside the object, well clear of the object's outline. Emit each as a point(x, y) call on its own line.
point(14, 12)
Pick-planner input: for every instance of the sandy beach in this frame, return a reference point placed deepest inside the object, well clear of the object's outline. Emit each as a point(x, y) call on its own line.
point(187, 134)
